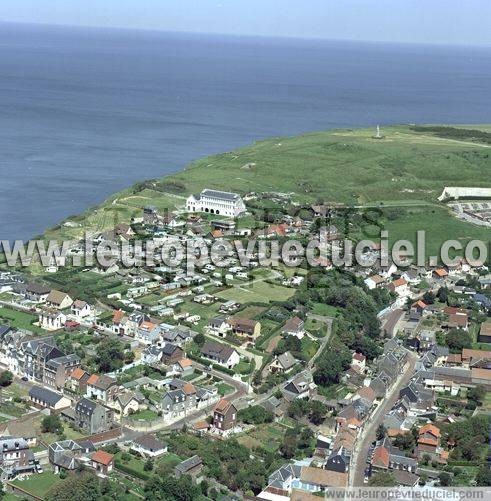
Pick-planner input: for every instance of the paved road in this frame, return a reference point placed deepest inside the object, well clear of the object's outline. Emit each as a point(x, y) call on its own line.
point(368, 435)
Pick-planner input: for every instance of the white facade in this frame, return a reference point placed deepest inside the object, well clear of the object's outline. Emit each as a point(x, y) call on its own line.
point(222, 203)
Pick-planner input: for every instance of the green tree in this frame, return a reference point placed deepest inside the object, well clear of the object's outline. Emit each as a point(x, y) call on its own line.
point(318, 412)
point(255, 415)
point(52, 424)
point(381, 431)
point(382, 479)
point(199, 339)
point(483, 478)
point(445, 479)
point(6, 378)
point(110, 355)
point(457, 339)
point(148, 466)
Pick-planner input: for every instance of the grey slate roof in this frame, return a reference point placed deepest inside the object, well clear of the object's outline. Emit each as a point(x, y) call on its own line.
point(45, 395)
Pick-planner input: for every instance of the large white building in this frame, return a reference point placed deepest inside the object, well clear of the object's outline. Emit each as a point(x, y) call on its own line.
point(222, 203)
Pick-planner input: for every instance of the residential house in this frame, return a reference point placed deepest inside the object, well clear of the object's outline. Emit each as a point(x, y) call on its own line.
point(399, 287)
point(68, 454)
point(81, 309)
point(221, 354)
point(42, 397)
point(15, 457)
point(32, 357)
point(36, 293)
point(218, 326)
point(374, 282)
point(127, 402)
point(358, 361)
point(386, 456)
point(282, 364)
point(101, 387)
point(485, 332)
point(300, 386)
point(429, 443)
point(224, 417)
point(92, 417)
point(77, 381)
point(246, 329)
point(338, 460)
point(51, 320)
point(59, 300)
point(102, 462)
point(183, 367)
point(58, 370)
point(192, 466)
point(149, 446)
point(294, 326)
point(148, 332)
point(171, 353)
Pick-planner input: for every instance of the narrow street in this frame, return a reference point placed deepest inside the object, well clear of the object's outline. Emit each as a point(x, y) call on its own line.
point(368, 434)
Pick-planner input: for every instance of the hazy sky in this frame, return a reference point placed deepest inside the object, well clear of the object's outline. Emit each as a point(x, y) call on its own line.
point(432, 21)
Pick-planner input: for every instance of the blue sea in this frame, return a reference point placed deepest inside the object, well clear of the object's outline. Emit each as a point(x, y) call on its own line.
point(86, 112)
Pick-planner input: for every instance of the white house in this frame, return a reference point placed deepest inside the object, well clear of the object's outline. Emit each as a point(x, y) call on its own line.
point(221, 354)
point(81, 309)
point(51, 320)
point(216, 202)
point(149, 446)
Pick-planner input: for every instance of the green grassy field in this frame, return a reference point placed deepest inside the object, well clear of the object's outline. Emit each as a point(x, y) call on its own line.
point(38, 484)
point(408, 168)
point(19, 319)
point(257, 292)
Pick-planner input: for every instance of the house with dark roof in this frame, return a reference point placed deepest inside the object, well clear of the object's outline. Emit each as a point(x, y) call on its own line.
point(299, 386)
point(42, 397)
point(149, 446)
point(282, 364)
point(294, 326)
point(171, 353)
point(92, 417)
point(192, 466)
point(36, 292)
point(15, 457)
point(221, 354)
point(57, 370)
point(68, 454)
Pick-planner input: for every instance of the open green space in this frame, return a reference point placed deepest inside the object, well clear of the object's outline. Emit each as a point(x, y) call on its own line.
point(38, 484)
point(19, 319)
point(257, 292)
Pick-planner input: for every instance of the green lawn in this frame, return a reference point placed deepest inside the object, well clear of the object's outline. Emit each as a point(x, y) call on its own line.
point(38, 484)
point(268, 436)
point(224, 389)
point(19, 319)
point(144, 415)
point(323, 309)
point(257, 292)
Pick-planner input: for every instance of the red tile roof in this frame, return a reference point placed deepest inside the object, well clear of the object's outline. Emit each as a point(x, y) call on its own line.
point(381, 457)
point(102, 457)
